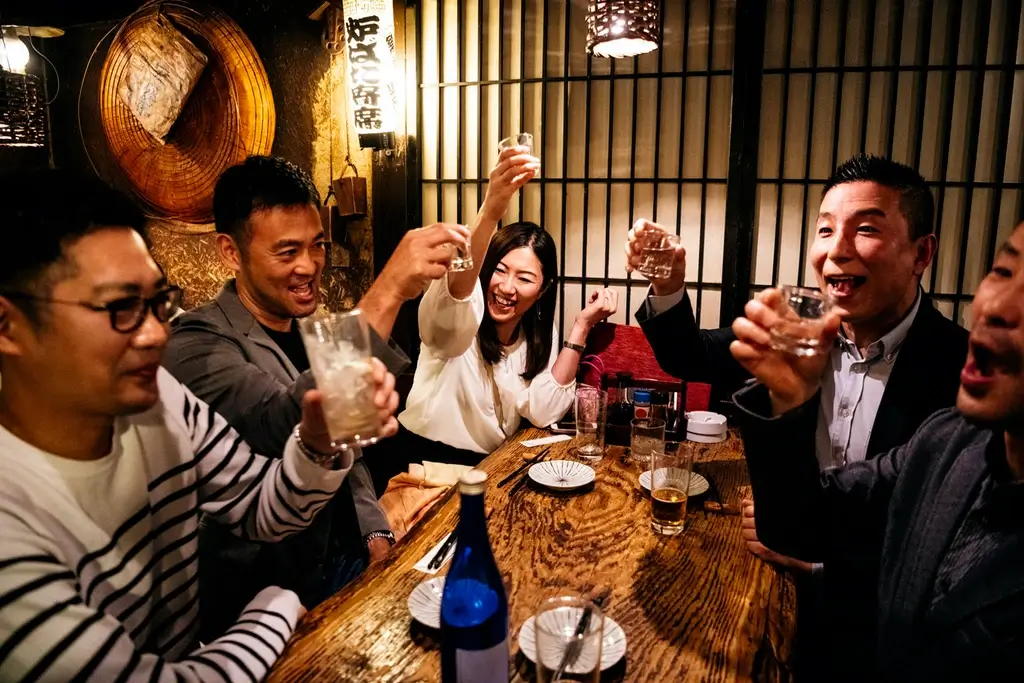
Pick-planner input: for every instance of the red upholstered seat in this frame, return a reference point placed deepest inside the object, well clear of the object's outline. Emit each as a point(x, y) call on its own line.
point(615, 348)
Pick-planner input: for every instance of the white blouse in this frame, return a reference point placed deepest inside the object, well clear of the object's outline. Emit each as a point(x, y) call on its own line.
point(452, 400)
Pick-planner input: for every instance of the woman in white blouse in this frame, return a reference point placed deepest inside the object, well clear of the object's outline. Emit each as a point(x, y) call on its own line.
point(490, 353)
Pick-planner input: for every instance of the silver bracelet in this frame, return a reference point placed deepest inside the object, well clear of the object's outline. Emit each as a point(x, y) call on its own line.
point(387, 535)
point(329, 461)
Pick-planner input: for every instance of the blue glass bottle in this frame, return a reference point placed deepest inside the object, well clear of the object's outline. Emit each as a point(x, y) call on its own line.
point(474, 609)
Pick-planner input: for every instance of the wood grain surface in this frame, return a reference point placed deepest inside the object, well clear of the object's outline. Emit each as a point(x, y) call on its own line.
point(695, 607)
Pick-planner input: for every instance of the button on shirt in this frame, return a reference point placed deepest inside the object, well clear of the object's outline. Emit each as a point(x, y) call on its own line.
point(851, 390)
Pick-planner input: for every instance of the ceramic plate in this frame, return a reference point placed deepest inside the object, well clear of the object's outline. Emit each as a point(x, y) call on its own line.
point(562, 475)
point(613, 646)
point(698, 484)
point(425, 602)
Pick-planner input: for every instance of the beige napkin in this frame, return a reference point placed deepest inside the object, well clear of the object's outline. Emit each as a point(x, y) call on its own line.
point(411, 494)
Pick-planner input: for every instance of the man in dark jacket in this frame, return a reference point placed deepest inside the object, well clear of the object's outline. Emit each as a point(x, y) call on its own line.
point(896, 361)
point(947, 507)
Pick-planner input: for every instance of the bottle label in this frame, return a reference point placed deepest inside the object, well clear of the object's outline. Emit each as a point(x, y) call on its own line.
point(641, 412)
point(483, 666)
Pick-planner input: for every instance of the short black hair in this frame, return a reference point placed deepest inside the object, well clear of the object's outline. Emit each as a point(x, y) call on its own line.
point(257, 184)
point(42, 214)
point(916, 202)
point(537, 325)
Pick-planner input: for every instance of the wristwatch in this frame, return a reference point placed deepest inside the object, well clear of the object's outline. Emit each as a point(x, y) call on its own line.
point(578, 348)
point(329, 461)
point(386, 535)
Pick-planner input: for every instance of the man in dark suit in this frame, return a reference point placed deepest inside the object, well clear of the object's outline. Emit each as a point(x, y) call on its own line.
point(947, 506)
point(242, 353)
point(896, 361)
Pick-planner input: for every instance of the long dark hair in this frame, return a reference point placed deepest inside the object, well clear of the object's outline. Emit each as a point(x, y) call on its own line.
point(538, 323)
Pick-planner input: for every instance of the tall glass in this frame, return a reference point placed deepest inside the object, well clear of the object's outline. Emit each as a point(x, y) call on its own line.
point(338, 346)
point(644, 436)
point(671, 465)
point(657, 252)
point(517, 140)
point(800, 324)
point(569, 632)
point(591, 419)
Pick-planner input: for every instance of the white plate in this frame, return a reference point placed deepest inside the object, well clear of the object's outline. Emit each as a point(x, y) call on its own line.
point(613, 646)
point(698, 484)
point(562, 475)
point(425, 602)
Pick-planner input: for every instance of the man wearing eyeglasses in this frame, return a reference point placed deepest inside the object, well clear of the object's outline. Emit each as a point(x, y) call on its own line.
point(108, 461)
point(243, 354)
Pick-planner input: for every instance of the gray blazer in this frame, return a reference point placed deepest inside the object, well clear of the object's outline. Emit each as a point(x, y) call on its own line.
point(225, 358)
point(910, 501)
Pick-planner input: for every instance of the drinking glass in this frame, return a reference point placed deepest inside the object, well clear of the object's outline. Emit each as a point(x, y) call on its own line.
point(517, 140)
point(645, 435)
point(338, 346)
point(800, 324)
point(671, 464)
point(657, 251)
point(461, 261)
point(591, 419)
point(565, 634)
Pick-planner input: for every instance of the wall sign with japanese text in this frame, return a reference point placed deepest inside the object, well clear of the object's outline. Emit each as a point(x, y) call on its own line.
point(370, 44)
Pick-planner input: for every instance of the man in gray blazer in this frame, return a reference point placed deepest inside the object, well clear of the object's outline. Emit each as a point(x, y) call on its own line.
point(947, 507)
point(242, 353)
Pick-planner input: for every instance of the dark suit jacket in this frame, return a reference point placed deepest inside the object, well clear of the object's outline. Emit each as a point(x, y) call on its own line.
point(913, 499)
point(925, 378)
point(224, 357)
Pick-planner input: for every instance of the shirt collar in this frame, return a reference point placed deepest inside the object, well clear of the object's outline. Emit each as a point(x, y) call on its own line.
point(889, 345)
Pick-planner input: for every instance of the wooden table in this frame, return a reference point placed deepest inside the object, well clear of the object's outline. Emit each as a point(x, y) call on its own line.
point(695, 607)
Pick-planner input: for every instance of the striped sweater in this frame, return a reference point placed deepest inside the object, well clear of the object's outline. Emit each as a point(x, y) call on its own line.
point(109, 595)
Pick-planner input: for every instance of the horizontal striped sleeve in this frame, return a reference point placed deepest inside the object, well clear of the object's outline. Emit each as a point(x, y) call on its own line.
point(253, 496)
point(48, 634)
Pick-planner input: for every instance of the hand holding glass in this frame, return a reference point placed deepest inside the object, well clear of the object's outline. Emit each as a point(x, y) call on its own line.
point(657, 252)
point(517, 140)
point(461, 261)
point(338, 346)
point(801, 322)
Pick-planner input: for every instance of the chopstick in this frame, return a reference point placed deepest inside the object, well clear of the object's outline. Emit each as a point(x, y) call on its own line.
point(442, 552)
point(575, 648)
point(522, 467)
point(526, 475)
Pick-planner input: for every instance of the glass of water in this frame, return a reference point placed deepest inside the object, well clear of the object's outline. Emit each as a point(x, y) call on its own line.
point(338, 346)
point(569, 632)
point(517, 140)
point(657, 252)
point(671, 464)
point(801, 312)
point(645, 435)
point(591, 419)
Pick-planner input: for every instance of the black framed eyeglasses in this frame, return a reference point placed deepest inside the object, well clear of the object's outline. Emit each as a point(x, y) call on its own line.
point(127, 313)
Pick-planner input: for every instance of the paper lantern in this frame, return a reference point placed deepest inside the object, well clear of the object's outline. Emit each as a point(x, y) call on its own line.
point(622, 28)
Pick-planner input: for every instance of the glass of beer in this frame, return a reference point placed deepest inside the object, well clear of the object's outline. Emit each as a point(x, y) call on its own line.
point(657, 251)
point(800, 324)
point(338, 346)
point(671, 463)
point(569, 633)
point(517, 140)
point(591, 419)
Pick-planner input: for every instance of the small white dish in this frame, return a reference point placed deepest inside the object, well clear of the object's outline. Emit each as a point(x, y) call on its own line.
point(698, 484)
point(613, 644)
point(706, 438)
point(705, 422)
point(425, 602)
point(562, 475)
